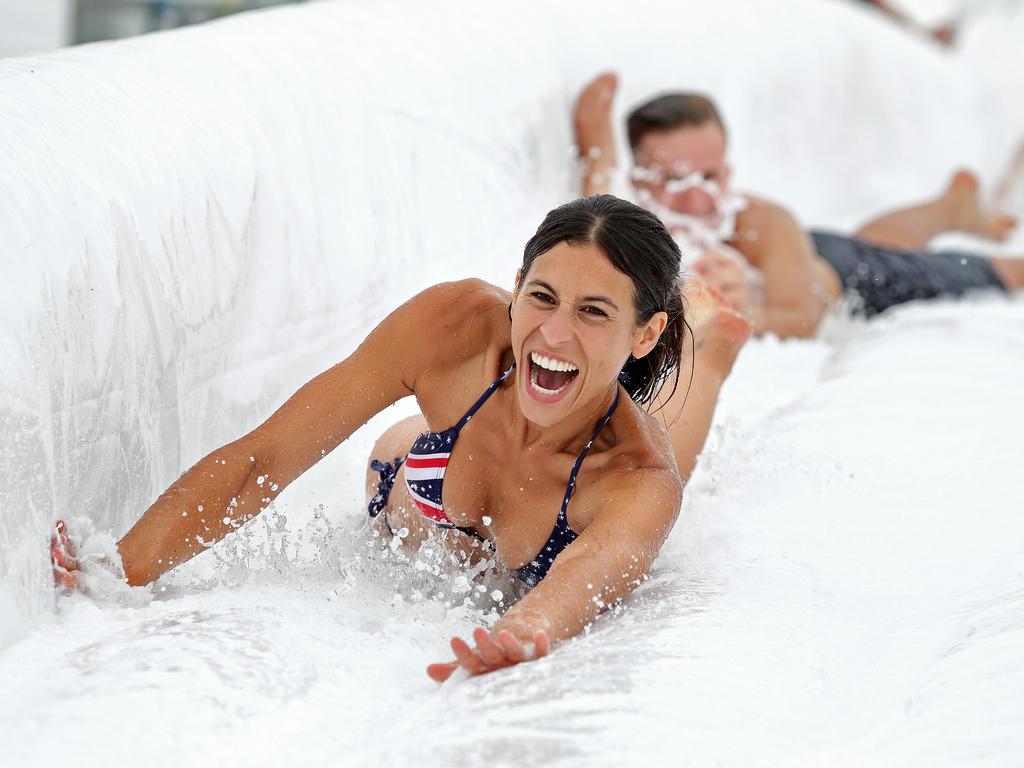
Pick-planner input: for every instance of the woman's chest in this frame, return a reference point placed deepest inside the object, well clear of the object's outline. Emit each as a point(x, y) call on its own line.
point(512, 497)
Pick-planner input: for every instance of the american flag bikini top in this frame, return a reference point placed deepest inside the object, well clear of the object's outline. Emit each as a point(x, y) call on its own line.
point(428, 459)
point(424, 477)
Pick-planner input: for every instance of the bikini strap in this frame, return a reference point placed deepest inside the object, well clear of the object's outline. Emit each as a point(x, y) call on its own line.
point(583, 454)
point(482, 399)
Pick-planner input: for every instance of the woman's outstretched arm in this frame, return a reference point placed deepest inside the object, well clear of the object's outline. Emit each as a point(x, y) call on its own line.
point(608, 561)
point(635, 512)
point(234, 483)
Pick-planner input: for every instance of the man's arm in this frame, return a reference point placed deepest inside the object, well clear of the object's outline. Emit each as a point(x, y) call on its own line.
point(595, 136)
point(792, 298)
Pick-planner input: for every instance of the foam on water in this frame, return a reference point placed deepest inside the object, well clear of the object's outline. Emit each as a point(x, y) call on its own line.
point(843, 586)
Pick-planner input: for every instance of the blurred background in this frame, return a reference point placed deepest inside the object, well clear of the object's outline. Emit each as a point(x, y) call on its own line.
point(33, 26)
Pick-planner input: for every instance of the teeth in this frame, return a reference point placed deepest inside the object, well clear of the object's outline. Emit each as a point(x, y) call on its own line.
point(550, 363)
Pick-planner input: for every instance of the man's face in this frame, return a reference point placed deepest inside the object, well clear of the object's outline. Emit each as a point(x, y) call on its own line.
point(683, 170)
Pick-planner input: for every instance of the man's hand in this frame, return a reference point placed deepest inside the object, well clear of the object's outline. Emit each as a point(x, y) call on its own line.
point(595, 135)
point(502, 649)
point(730, 276)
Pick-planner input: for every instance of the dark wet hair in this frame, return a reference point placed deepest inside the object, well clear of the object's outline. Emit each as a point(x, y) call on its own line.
point(671, 111)
point(638, 245)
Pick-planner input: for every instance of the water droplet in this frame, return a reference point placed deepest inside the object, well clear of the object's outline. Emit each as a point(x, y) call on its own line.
point(485, 520)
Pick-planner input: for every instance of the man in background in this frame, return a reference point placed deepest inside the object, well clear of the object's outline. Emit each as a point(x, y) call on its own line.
point(781, 276)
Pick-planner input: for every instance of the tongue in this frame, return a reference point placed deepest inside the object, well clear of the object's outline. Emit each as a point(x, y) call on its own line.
point(552, 380)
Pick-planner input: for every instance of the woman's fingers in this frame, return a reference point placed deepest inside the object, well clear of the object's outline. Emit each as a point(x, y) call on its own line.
point(541, 645)
point(62, 558)
point(468, 659)
point(441, 672)
point(60, 547)
point(491, 653)
point(513, 649)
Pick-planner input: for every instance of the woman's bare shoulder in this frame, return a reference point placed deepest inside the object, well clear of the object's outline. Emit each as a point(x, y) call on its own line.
point(456, 302)
point(454, 322)
point(645, 442)
point(640, 481)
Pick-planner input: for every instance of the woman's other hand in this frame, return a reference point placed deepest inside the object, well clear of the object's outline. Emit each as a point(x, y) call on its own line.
point(494, 650)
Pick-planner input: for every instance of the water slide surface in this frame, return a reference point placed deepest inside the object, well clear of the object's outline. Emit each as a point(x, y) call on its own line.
point(195, 223)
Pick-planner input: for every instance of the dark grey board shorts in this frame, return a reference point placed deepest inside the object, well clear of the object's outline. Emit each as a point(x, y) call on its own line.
point(883, 277)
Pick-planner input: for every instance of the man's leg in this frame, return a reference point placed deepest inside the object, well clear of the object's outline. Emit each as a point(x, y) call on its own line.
point(958, 208)
point(1009, 194)
point(1010, 271)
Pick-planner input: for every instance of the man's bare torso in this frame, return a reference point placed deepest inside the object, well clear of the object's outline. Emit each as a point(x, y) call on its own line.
point(797, 285)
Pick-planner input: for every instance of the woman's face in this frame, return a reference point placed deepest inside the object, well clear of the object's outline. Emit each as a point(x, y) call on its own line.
point(573, 327)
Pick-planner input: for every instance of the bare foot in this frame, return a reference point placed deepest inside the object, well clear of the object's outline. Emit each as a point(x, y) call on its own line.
point(62, 558)
point(945, 33)
point(1009, 194)
point(966, 213)
point(595, 136)
point(719, 331)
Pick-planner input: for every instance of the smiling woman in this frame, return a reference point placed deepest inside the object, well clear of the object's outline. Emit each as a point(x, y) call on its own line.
point(558, 467)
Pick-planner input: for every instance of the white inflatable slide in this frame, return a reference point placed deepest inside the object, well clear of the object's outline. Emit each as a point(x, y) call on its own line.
point(193, 224)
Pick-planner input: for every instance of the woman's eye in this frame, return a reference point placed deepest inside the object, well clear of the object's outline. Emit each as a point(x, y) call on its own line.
point(595, 311)
point(544, 297)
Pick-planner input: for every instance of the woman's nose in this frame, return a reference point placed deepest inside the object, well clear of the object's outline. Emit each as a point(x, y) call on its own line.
point(557, 329)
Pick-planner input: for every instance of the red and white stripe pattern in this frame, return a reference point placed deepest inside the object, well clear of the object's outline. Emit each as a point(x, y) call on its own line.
point(424, 477)
point(428, 459)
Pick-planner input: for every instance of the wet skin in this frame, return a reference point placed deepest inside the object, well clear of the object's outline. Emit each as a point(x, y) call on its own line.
point(684, 171)
point(798, 286)
point(572, 305)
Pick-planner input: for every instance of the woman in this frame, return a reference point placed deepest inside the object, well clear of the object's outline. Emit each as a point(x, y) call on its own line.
point(533, 400)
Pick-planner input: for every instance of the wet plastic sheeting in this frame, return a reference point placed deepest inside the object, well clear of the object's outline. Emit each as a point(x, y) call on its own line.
point(195, 223)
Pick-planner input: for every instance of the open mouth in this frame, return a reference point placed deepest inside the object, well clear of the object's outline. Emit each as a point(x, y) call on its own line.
point(549, 377)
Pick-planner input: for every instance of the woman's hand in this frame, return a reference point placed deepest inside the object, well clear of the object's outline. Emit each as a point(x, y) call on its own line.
point(62, 558)
point(493, 651)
